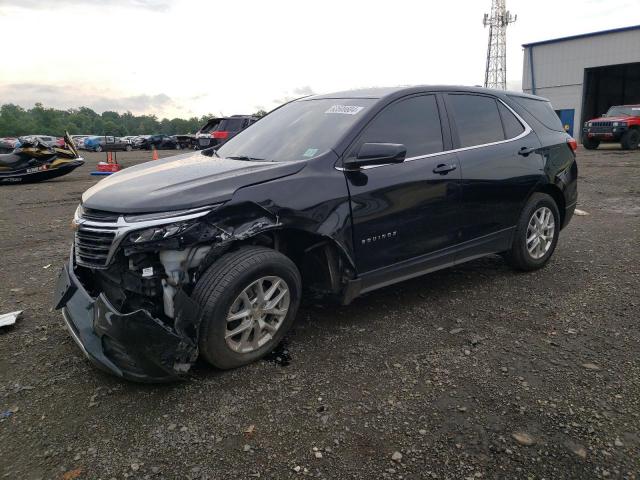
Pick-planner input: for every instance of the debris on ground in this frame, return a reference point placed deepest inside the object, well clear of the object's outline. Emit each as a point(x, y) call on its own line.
point(523, 438)
point(580, 213)
point(590, 366)
point(9, 318)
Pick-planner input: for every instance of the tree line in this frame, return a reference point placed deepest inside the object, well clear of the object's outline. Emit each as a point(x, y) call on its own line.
point(16, 121)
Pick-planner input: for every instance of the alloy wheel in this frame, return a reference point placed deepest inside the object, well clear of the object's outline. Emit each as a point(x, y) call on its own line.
point(540, 232)
point(256, 314)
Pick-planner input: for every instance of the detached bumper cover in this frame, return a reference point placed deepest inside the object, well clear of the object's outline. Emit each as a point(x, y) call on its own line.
point(134, 346)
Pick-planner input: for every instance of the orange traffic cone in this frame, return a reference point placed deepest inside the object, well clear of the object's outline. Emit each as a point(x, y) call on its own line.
point(155, 154)
point(109, 158)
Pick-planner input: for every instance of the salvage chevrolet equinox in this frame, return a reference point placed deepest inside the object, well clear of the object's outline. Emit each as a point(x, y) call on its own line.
point(209, 253)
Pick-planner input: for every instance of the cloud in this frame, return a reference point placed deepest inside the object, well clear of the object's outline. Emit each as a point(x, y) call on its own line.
point(160, 5)
point(306, 90)
point(64, 97)
point(294, 94)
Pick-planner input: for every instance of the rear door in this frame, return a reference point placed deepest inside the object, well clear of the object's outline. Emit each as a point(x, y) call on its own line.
point(501, 163)
point(404, 211)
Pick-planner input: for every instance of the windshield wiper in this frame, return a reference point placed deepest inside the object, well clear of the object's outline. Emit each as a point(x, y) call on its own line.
point(246, 158)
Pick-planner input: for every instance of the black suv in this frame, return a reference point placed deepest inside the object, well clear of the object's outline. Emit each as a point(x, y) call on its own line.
point(219, 130)
point(159, 142)
point(209, 253)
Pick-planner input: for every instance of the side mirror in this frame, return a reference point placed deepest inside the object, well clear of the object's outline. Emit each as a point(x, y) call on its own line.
point(377, 154)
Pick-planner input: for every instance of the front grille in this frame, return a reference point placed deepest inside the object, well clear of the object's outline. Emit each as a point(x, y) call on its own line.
point(600, 129)
point(602, 124)
point(93, 244)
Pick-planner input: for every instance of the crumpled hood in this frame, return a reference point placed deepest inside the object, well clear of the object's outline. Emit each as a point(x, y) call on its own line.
point(180, 182)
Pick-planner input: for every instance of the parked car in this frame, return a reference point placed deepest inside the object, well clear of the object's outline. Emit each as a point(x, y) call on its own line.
point(106, 144)
point(79, 140)
point(159, 142)
point(7, 144)
point(621, 124)
point(186, 141)
point(45, 139)
point(337, 195)
point(219, 130)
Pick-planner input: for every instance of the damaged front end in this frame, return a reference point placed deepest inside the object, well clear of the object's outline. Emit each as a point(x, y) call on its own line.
point(125, 293)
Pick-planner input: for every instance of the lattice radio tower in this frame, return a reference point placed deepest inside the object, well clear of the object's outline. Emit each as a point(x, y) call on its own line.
point(496, 73)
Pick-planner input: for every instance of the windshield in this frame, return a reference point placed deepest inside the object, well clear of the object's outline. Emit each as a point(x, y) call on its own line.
point(623, 111)
point(297, 131)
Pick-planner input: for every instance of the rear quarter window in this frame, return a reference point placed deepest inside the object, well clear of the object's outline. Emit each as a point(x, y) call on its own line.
point(541, 110)
point(512, 126)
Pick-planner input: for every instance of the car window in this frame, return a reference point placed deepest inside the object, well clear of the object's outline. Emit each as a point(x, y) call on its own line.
point(541, 110)
point(512, 126)
point(413, 122)
point(477, 119)
point(230, 124)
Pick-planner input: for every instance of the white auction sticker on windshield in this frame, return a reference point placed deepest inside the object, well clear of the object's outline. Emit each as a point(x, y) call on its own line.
point(345, 109)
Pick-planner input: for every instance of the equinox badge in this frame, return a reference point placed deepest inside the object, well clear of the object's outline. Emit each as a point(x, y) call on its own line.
point(377, 238)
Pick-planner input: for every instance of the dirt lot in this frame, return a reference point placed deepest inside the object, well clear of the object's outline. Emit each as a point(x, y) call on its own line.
point(474, 372)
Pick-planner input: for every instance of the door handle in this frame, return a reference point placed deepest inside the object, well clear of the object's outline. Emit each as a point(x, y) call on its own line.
point(526, 151)
point(443, 169)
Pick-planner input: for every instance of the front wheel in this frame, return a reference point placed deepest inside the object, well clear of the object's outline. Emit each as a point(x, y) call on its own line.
point(249, 299)
point(536, 234)
point(98, 149)
point(590, 143)
point(128, 148)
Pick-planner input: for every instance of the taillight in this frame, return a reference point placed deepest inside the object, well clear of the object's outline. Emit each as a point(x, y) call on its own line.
point(573, 144)
point(220, 134)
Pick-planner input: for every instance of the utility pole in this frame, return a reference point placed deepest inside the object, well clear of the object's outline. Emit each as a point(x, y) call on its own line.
point(496, 73)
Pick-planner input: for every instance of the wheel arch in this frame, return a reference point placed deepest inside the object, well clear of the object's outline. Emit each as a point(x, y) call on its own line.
point(558, 197)
point(324, 264)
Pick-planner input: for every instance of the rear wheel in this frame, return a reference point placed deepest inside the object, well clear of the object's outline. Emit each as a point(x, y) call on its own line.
point(536, 234)
point(98, 148)
point(590, 143)
point(631, 139)
point(128, 148)
point(249, 299)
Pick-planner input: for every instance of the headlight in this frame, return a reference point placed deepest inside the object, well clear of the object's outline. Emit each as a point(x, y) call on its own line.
point(77, 216)
point(161, 232)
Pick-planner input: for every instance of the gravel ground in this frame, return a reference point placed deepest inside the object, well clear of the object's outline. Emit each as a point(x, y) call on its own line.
point(472, 372)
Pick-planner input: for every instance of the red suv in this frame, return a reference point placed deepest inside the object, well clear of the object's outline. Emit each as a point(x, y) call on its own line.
point(620, 124)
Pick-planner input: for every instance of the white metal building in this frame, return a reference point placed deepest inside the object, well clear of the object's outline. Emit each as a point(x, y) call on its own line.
point(585, 74)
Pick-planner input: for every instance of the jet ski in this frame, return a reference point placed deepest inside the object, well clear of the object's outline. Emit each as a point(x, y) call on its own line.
point(34, 161)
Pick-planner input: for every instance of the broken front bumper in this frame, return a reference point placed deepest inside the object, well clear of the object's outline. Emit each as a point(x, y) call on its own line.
point(134, 346)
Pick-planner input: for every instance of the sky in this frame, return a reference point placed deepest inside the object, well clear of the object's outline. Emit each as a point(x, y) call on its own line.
point(183, 58)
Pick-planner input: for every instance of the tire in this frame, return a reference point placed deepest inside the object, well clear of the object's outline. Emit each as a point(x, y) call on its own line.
point(590, 143)
point(128, 148)
point(219, 290)
point(98, 149)
point(631, 139)
point(519, 256)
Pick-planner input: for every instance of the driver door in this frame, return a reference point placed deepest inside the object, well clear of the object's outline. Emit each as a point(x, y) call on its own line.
point(406, 214)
